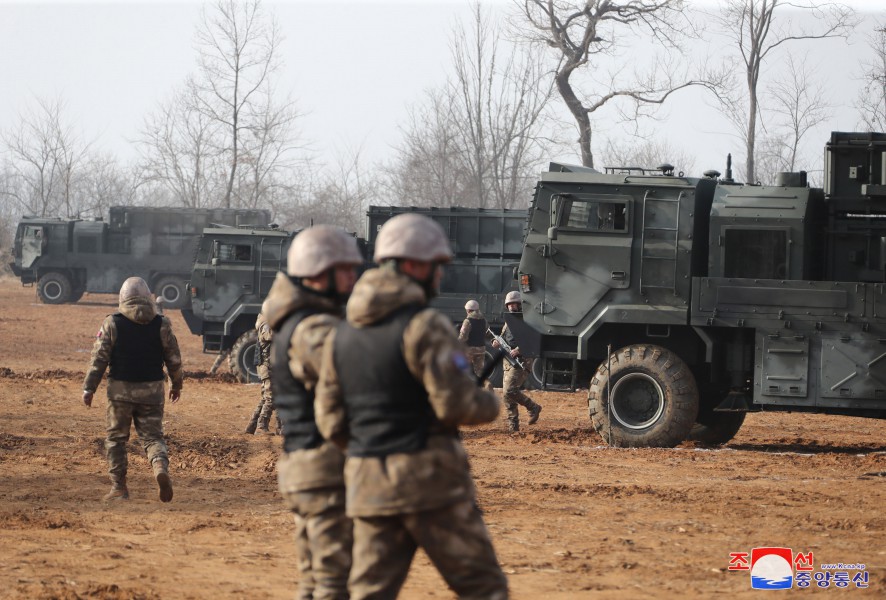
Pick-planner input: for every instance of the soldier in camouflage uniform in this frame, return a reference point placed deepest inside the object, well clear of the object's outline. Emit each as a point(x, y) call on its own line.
point(135, 343)
point(395, 385)
point(514, 377)
point(473, 335)
point(302, 308)
point(261, 416)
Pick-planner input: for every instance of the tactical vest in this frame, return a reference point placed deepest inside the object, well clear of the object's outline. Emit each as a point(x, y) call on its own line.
point(388, 409)
point(477, 337)
point(137, 354)
point(294, 403)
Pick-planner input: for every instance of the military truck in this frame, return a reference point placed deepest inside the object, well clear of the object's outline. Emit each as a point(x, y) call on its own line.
point(235, 267)
point(684, 303)
point(68, 257)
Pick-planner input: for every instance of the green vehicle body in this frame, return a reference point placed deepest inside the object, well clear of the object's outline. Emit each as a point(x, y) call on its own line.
point(227, 293)
point(68, 257)
point(768, 297)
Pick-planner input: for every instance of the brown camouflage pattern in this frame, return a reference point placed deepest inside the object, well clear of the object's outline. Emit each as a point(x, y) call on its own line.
point(311, 481)
point(454, 538)
point(477, 357)
point(424, 499)
point(148, 420)
point(265, 406)
point(512, 392)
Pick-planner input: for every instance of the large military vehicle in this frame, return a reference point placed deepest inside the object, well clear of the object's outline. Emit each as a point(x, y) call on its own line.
point(687, 302)
point(68, 257)
point(235, 267)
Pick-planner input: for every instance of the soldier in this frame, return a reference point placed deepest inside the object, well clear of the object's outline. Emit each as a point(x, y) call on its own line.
point(302, 308)
point(394, 387)
point(515, 377)
point(135, 343)
point(473, 335)
point(261, 416)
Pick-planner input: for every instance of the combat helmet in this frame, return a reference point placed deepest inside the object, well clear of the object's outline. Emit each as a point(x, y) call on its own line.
point(472, 305)
point(320, 247)
point(513, 297)
point(412, 236)
point(134, 287)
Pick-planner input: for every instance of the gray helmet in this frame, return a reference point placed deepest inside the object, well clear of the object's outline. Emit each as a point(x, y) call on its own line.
point(134, 287)
point(320, 247)
point(472, 305)
point(512, 297)
point(412, 236)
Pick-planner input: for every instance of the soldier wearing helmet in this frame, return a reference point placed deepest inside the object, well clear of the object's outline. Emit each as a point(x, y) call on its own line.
point(135, 343)
point(514, 377)
point(473, 335)
point(303, 305)
point(394, 387)
point(261, 416)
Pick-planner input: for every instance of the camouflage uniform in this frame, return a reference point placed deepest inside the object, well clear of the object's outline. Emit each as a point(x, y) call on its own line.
point(424, 498)
point(512, 388)
point(261, 416)
point(140, 402)
point(311, 480)
point(475, 353)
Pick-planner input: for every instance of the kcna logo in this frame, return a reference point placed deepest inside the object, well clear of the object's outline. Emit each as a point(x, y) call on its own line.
point(771, 568)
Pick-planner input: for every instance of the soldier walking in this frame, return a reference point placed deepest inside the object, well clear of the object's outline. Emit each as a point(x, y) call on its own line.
point(135, 343)
point(261, 416)
point(513, 376)
point(473, 335)
point(395, 385)
point(302, 308)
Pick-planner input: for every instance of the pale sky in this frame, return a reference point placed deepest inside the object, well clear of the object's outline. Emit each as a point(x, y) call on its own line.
point(352, 66)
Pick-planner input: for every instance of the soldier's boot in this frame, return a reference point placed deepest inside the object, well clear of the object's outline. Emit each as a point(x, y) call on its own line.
point(161, 473)
point(513, 425)
point(264, 423)
point(253, 422)
point(119, 491)
point(534, 412)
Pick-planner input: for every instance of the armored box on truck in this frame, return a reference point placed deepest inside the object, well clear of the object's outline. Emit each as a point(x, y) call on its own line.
point(684, 303)
point(68, 257)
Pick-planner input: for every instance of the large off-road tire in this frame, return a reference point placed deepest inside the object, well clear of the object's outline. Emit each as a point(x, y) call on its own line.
point(77, 293)
point(716, 428)
point(243, 357)
point(654, 398)
point(54, 288)
point(173, 291)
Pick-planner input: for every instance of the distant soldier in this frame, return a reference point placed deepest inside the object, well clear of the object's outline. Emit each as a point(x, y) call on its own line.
point(394, 387)
point(514, 377)
point(135, 343)
point(473, 335)
point(261, 416)
point(302, 308)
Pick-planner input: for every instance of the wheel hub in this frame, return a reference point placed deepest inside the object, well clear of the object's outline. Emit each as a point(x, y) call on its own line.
point(636, 401)
point(52, 290)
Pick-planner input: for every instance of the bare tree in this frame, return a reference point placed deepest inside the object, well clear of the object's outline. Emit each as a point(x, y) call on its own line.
point(871, 101)
point(581, 33)
point(646, 154)
point(757, 32)
point(237, 44)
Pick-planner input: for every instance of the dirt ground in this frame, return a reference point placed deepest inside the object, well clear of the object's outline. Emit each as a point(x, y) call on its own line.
point(569, 518)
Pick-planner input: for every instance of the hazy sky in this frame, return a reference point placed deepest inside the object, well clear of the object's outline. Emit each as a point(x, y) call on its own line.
point(353, 67)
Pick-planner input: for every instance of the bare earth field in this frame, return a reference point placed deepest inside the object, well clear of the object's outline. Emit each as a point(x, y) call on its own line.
point(569, 518)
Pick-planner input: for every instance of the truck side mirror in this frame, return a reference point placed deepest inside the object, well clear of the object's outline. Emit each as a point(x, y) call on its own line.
point(556, 204)
point(214, 262)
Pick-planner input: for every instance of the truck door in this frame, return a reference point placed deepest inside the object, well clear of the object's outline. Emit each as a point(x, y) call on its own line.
point(589, 254)
point(32, 245)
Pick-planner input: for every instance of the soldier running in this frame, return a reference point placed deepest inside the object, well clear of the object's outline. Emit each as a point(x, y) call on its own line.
point(301, 309)
point(515, 377)
point(394, 387)
point(261, 416)
point(135, 343)
point(473, 335)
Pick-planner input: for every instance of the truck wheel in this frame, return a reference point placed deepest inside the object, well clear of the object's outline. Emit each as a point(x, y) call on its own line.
point(172, 291)
point(716, 428)
point(54, 288)
point(243, 357)
point(654, 398)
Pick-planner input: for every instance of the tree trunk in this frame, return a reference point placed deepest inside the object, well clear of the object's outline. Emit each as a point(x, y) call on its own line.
point(579, 113)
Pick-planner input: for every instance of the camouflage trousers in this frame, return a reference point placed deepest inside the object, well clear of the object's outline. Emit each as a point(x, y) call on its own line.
point(477, 356)
point(512, 392)
point(454, 538)
point(148, 419)
point(323, 539)
point(267, 400)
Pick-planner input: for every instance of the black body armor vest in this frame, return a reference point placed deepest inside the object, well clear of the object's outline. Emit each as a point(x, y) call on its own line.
point(294, 403)
point(388, 409)
point(137, 354)
point(477, 337)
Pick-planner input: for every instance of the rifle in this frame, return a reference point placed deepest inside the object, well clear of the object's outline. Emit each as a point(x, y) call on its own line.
point(514, 361)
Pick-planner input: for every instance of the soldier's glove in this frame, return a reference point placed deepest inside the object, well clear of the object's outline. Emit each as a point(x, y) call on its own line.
point(87, 398)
